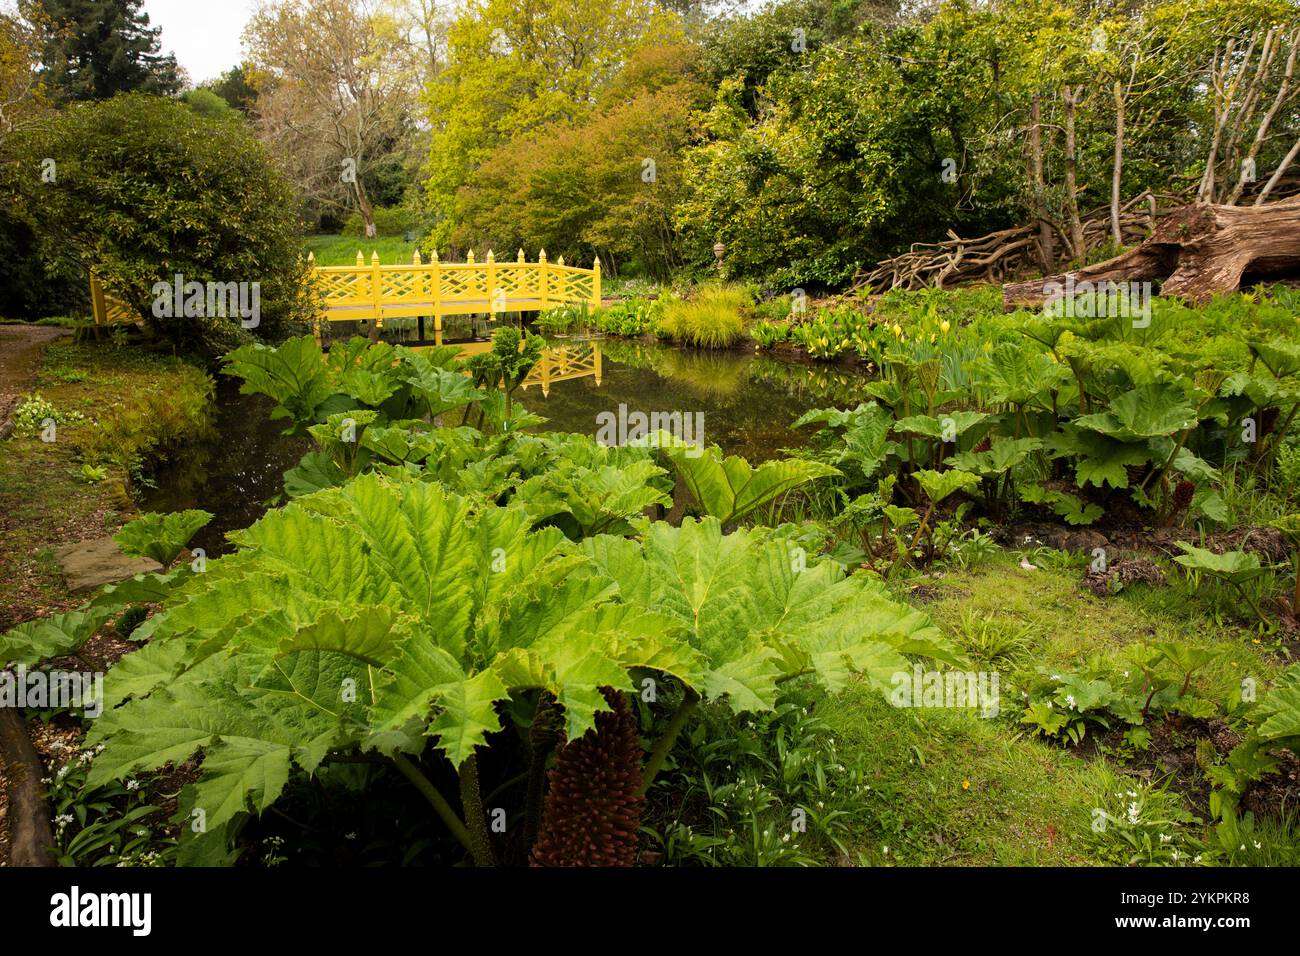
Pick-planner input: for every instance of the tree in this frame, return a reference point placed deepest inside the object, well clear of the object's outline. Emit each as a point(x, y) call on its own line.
point(235, 88)
point(22, 96)
point(336, 80)
point(94, 49)
point(207, 103)
point(516, 68)
point(149, 191)
point(605, 185)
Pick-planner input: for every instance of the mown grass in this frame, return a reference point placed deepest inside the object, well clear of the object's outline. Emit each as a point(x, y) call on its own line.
point(332, 250)
point(137, 406)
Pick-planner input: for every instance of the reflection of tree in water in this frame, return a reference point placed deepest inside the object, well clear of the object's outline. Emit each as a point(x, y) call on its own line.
point(716, 374)
point(827, 385)
point(234, 473)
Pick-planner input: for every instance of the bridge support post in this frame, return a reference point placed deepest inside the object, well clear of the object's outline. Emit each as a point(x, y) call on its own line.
point(541, 286)
point(377, 290)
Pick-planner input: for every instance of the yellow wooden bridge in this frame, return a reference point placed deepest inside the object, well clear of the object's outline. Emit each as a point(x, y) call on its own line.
point(433, 290)
point(436, 289)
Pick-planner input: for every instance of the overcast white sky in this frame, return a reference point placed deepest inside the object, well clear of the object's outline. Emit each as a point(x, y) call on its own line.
point(204, 34)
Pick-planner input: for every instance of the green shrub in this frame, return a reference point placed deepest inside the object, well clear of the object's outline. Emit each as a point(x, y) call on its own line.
point(34, 410)
point(629, 318)
point(711, 318)
point(148, 190)
point(562, 320)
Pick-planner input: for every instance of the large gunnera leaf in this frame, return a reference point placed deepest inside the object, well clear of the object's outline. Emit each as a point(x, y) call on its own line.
point(1148, 411)
point(375, 615)
point(759, 610)
point(730, 488)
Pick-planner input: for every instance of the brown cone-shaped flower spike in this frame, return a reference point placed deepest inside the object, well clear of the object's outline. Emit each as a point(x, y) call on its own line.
point(592, 809)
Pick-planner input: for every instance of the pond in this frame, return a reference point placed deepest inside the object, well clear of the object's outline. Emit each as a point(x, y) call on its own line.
point(746, 401)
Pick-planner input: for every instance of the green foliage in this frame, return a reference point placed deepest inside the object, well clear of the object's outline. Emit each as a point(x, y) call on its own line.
point(629, 318)
point(767, 334)
point(161, 536)
point(1236, 568)
point(757, 615)
point(588, 501)
point(95, 49)
point(729, 488)
point(584, 157)
point(389, 221)
point(562, 320)
point(166, 192)
point(52, 636)
point(34, 411)
point(745, 784)
point(710, 319)
point(1274, 724)
point(395, 382)
point(110, 825)
point(1148, 680)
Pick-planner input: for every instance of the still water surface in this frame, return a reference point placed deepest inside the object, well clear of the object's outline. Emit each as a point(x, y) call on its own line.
point(748, 402)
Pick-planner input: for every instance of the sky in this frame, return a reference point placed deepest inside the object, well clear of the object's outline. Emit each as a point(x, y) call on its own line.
point(204, 34)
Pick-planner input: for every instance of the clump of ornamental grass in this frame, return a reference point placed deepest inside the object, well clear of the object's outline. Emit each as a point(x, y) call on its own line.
point(710, 319)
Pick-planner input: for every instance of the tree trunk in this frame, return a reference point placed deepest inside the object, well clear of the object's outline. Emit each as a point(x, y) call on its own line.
point(363, 204)
point(1046, 247)
point(1195, 252)
point(1277, 173)
point(1071, 98)
point(31, 840)
point(1283, 91)
point(1117, 169)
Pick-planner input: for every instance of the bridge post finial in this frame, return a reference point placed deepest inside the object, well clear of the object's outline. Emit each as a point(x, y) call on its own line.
point(520, 256)
point(560, 261)
point(361, 260)
point(434, 257)
point(470, 256)
point(311, 259)
point(490, 257)
point(415, 258)
point(374, 257)
point(541, 255)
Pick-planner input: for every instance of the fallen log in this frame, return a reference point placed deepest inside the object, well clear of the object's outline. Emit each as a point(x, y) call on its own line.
point(31, 841)
point(1195, 252)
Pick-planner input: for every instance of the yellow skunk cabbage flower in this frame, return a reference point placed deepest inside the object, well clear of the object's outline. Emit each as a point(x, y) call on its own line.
point(944, 326)
point(898, 330)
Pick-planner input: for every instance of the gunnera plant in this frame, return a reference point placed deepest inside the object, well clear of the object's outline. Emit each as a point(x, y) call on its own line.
point(592, 809)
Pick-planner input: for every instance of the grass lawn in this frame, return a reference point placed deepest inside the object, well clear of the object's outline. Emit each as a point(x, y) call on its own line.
point(331, 250)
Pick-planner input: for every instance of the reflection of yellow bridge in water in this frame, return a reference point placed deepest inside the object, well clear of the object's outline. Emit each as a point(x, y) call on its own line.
point(559, 363)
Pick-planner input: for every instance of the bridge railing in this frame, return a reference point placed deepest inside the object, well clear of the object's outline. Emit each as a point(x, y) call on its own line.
point(375, 292)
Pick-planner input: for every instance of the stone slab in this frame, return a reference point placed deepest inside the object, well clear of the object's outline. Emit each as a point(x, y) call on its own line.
point(91, 564)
